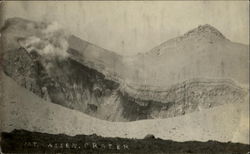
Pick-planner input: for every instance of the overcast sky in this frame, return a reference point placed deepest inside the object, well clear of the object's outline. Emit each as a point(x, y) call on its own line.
point(131, 27)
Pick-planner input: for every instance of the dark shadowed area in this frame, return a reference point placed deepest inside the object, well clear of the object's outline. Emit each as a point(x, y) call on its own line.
point(22, 141)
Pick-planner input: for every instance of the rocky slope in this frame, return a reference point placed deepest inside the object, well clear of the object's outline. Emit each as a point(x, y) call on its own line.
point(21, 109)
point(76, 74)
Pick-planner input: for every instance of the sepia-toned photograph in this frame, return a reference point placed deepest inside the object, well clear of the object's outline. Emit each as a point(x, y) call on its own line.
point(131, 77)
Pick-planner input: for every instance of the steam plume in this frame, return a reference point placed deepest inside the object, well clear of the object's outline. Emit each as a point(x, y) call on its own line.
point(50, 40)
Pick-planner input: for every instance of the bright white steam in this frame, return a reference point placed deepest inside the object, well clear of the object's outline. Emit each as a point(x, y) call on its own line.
point(50, 40)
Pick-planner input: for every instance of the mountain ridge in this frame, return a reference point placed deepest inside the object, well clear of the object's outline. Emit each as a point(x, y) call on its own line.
point(104, 85)
point(205, 29)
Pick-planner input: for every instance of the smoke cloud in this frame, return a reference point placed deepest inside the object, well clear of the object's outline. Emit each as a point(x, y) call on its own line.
point(49, 40)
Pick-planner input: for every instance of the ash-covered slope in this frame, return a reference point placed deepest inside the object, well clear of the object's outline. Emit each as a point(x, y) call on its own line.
point(200, 53)
point(107, 62)
point(76, 74)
